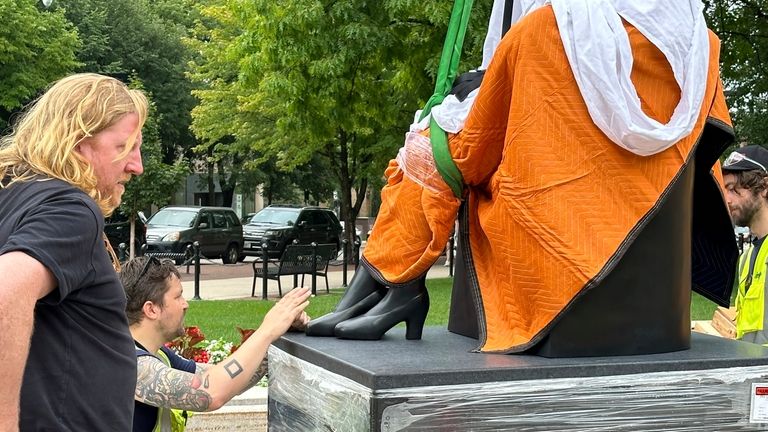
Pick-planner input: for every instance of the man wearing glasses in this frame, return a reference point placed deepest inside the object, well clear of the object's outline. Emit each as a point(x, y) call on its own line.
point(169, 385)
point(68, 360)
point(744, 172)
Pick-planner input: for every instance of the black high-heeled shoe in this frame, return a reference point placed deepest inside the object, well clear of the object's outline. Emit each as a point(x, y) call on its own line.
point(362, 294)
point(409, 303)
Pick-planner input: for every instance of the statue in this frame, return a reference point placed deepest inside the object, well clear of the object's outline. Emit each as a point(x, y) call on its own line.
point(585, 177)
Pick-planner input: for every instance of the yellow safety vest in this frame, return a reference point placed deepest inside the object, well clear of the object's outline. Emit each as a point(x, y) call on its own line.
point(168, 419)
point(750, 304)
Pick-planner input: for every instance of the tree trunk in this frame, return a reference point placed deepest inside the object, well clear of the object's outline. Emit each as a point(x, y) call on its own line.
point(211, 184)
point(349, 210)
point(227, 185)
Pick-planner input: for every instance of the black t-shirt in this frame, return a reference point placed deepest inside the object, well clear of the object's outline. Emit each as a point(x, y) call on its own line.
point(81, 370)
point(145, 416)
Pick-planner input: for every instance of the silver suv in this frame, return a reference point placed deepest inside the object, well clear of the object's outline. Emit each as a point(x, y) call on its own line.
point(217, 229)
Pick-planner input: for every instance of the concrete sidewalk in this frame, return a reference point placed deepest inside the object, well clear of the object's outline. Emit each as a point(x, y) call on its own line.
point(240, 287)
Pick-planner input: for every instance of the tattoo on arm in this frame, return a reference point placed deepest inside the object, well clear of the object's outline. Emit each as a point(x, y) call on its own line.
point(233, 368)
point(162, 386)
point(260, 372)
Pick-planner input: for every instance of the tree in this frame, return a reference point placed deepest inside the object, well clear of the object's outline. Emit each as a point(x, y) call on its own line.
point(123, 37)
point(742, 26)
point(159, 181)
point(339, 79)
point(36, 48)
point(235, 161)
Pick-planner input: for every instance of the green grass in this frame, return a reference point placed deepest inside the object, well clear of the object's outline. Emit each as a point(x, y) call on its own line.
point(701, 308)
point(220, 318)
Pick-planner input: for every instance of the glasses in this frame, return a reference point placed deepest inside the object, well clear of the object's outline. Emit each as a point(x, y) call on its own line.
point(737, 157)
point(151, 260)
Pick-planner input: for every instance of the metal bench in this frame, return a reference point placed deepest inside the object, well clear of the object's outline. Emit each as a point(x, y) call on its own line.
point(296, 260)
point(324, 253)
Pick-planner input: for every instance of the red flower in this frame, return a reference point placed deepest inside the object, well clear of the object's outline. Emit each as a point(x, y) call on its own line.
point(185, 345)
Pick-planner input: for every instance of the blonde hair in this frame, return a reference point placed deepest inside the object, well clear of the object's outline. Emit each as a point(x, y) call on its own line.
point(74, 108)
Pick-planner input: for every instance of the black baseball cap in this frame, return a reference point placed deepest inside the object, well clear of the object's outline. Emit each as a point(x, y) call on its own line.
point(749, 158)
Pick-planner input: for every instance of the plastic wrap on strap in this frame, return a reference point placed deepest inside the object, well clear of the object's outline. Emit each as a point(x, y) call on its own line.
point(305, 397)
point(416, 161)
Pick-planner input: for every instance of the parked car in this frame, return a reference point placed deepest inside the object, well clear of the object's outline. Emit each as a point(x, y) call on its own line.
point(279, 226)
point(118, 230)
point(247, 218)
point(217, 229)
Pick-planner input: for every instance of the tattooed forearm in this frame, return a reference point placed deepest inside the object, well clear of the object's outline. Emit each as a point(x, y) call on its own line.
point(162, 386)
point(260, 372)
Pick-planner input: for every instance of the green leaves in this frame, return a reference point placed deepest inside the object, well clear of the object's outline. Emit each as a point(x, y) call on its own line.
point(159, 181)
point(142, 37)
point(36, 47)
point(332, 84)
point(742, 26)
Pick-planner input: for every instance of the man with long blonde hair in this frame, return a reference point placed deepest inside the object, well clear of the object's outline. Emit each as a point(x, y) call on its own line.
point(69, 361)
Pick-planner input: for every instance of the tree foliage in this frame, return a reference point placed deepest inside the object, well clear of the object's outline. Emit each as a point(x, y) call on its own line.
point(338, 80)
point(142, 37)
point(36, 47)
point(742, 26)
point(159, 180)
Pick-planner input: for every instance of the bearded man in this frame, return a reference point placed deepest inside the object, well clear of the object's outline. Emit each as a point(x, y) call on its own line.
point(745, 174)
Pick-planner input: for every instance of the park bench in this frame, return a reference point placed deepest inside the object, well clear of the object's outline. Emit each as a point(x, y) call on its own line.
point(325, 253)
point(296, 260)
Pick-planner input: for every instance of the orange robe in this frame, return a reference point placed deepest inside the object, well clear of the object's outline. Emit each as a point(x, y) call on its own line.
point(551, 198)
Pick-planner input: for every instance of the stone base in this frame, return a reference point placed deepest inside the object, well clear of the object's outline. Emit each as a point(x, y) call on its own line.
point(438, 384)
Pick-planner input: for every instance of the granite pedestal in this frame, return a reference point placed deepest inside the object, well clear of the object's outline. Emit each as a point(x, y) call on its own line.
point(437, 383)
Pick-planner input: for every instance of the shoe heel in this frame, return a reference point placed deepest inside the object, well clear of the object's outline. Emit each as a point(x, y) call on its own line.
point(414, 324)
point(414, 328)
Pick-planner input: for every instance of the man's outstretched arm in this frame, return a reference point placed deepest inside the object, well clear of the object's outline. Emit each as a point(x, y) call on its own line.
point(162, 386)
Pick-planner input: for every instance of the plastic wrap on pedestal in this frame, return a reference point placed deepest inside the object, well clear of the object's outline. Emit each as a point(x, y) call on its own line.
point(305, 397)
point(691, 401)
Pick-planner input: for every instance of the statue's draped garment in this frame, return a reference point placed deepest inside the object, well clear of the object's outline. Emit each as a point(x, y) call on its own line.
point(552, 201)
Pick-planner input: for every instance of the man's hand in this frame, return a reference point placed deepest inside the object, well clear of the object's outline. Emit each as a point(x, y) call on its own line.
point(289, 310)
point(300, 323)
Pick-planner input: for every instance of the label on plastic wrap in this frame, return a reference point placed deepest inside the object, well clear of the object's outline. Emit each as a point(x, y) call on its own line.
point(758, 412)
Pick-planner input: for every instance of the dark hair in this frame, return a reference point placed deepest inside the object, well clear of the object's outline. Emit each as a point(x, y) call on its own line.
point(752, 180)
point(145, 279)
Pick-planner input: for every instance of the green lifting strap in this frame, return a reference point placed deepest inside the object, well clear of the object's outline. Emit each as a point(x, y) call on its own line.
point(446, 74)
point(443, 160)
